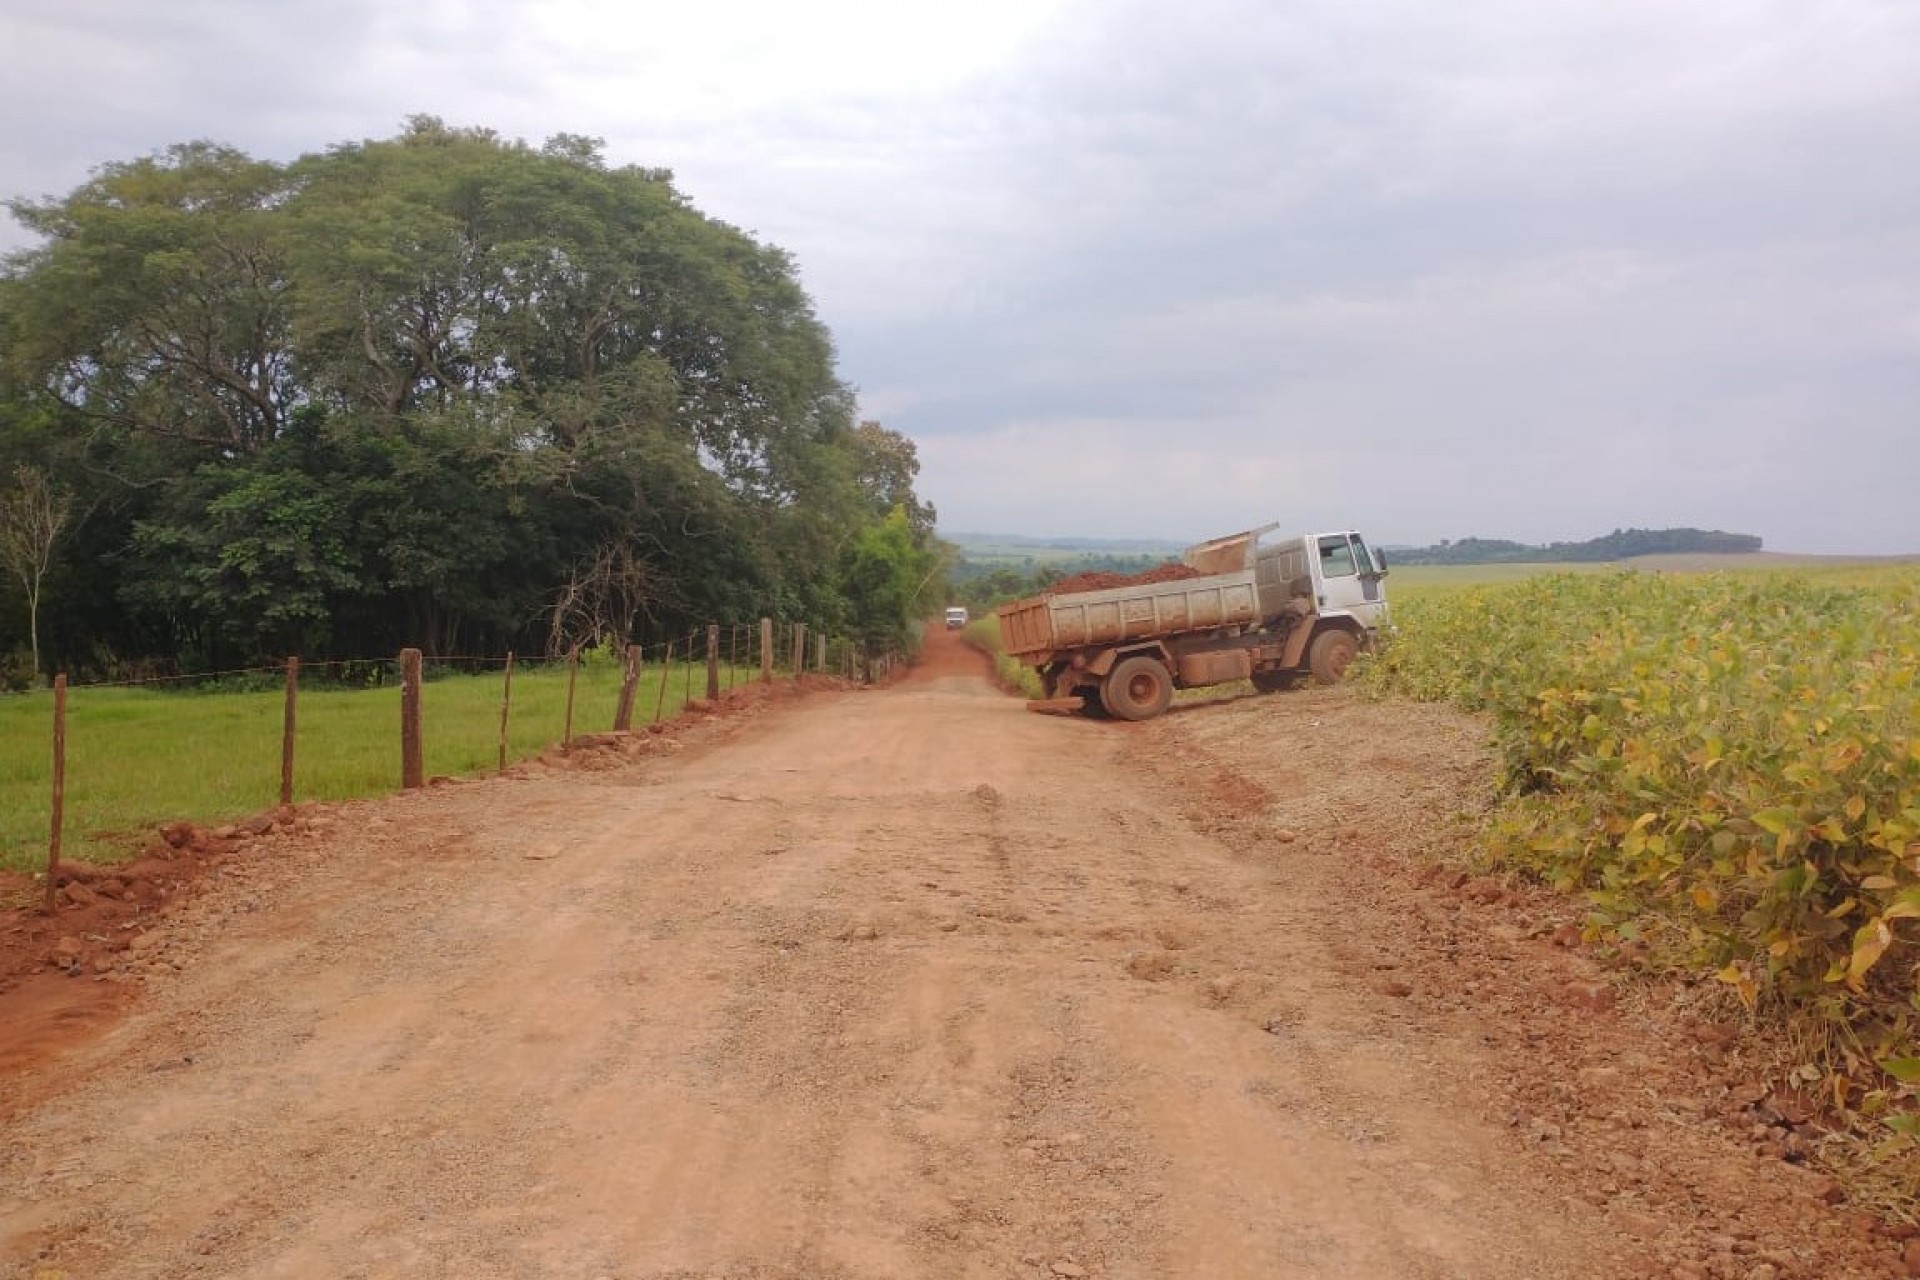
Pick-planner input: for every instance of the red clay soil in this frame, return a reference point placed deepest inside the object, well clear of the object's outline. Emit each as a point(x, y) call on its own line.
point(914, 984)
point(68, 976)
point(62, 974)
point(1100, 580)
point(944, 654)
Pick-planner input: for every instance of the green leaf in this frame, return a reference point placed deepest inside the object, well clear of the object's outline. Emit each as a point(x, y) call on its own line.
point(1907, 1124)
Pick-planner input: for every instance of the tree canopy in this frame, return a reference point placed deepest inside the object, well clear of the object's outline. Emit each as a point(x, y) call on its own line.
point(443, 389)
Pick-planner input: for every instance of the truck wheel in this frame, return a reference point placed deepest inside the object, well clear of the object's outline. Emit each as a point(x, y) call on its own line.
point(1274, 681)
point(1137, 689)
point(1331, 655)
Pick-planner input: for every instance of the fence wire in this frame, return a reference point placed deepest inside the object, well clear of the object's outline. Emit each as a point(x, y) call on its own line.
point(143, 751)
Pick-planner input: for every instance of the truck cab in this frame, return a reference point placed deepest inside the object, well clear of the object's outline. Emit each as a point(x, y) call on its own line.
point(1346, 579)
point(1331, 585)
point(956, 617)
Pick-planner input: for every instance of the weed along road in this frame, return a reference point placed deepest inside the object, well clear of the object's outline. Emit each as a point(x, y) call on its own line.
point(897, 983)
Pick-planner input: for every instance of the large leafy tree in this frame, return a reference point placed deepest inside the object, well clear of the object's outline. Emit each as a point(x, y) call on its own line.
point(159, 304)
point(433, 389)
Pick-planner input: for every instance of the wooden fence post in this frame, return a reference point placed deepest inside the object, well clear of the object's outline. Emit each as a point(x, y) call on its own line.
point(506, 701)
point(629, 680)
point(573, 675)
point(286, 733)
point(713, 662)
point(766, 651)
point(799, 650)
point(820, 654)
point(59, 784)
point(666, 674)
point(733, 654)
point(686, 684)
point(412, 770)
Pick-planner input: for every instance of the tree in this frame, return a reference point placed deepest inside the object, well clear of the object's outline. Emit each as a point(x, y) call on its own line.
point(33, 515)
point(159, 304)
point(267, 560)
point(882, 574)
point(601, 598)
point(426, 390)
point(886, 464)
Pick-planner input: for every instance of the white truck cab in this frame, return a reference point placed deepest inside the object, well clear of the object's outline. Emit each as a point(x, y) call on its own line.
point(956, 617)
point(1346, 579)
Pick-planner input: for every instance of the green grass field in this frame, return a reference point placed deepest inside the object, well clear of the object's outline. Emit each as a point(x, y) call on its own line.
point(141, 757)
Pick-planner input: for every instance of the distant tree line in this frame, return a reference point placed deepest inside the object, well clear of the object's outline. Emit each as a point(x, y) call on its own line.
point(442, 389)
point(1621, 544)
point(981, 585)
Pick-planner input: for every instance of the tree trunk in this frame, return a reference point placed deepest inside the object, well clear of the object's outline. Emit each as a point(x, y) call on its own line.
point(33, 625)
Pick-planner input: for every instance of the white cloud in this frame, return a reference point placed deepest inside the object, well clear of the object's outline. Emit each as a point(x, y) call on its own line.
point(1529, 268)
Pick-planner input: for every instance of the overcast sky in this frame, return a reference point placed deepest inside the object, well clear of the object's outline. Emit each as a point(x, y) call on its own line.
point(1510, 268)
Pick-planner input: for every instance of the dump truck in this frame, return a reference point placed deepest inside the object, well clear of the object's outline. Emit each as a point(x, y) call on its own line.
point(1242, 607)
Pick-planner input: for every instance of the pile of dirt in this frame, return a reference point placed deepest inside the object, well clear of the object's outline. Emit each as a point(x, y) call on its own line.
point(99, 910)
point(64, 975)
point(1100, 580)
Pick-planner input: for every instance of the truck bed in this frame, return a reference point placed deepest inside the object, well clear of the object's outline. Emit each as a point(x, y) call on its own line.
point(1048, 623)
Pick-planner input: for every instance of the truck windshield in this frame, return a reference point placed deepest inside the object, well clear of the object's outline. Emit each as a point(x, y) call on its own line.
point(1336, 558)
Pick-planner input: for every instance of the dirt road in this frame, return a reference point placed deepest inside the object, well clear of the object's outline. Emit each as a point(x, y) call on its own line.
point(896, 983)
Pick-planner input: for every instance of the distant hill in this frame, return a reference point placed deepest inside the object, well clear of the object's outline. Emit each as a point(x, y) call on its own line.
point(1004, 545)
point(992, 567)
point(1621, 544)
point(982, 553)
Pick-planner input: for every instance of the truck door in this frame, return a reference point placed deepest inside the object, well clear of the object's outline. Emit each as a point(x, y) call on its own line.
point(1370, 573)
point(1347, 581)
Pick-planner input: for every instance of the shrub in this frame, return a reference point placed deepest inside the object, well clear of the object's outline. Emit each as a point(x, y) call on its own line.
point(16, 672)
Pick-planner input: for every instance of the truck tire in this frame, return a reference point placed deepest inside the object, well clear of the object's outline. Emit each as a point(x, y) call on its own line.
point(1138, 688)
point(1274, 681)
point(1332, 653)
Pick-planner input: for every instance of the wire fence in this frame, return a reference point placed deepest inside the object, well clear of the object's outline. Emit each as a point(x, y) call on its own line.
point(130, 755)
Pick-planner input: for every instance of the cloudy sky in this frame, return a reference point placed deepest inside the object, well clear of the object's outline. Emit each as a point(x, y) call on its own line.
point(1513, 268)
